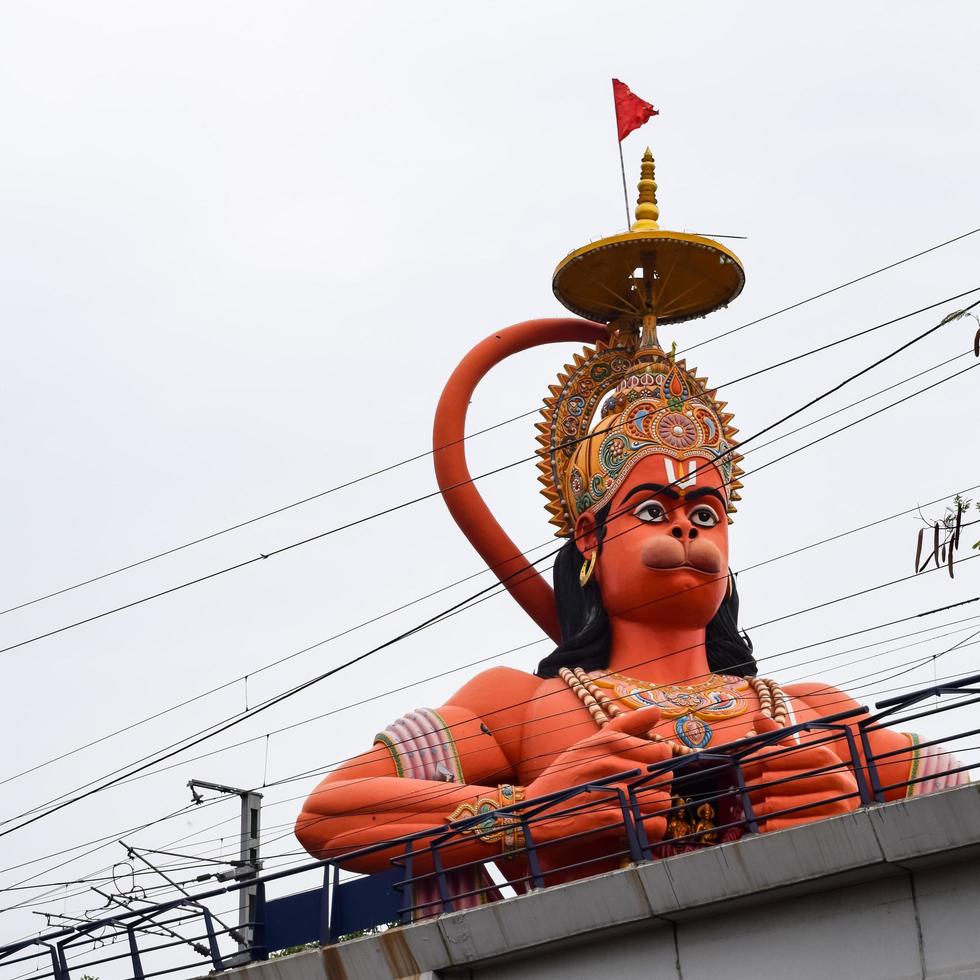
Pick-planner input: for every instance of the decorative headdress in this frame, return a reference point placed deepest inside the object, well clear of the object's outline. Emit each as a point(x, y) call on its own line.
point(650, 401)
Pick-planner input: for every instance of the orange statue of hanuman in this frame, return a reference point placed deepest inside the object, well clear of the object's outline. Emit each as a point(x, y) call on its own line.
point(641, 472)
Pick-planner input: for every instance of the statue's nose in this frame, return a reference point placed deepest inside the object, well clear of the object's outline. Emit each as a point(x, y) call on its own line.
point(679, 533)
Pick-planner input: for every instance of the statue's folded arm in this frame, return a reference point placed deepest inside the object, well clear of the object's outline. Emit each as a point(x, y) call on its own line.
point(422, 768)
point(906, 765)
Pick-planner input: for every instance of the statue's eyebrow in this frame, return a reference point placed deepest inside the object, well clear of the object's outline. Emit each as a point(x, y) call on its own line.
point(654, 488)
point(704, 492)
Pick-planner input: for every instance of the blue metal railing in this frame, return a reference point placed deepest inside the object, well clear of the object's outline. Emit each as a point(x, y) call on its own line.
point(407, 892)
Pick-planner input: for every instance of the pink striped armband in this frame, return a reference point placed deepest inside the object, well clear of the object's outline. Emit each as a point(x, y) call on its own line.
point(934, 768)
point(422, 747)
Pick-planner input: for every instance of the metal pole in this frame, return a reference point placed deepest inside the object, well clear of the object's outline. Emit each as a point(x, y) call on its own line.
point(622, 170)
point(249, 856)
point(622, 166)
point(248, 864)
point(134, 954)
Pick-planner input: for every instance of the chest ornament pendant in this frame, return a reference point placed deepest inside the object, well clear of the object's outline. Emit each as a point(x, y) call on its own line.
point(692, 707)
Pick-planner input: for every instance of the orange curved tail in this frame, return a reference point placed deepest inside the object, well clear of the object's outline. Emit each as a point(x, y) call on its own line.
point(468, 508)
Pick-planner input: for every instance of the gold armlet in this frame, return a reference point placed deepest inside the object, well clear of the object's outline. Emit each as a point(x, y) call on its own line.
point(494, 827)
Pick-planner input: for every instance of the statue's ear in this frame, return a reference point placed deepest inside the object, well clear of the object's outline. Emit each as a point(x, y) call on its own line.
point(586, 538)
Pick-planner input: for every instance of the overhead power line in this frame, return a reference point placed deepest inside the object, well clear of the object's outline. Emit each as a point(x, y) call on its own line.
point(817, 296)
point(808, 646)
point(757, 434)
point(320, 643)
point(310, 774)
point(491, 590)
point(446, 788)
point(428, 496)
point(238, 719)
point(827, 292)
point(172, 751)
point(422, 455)
point(503, 653)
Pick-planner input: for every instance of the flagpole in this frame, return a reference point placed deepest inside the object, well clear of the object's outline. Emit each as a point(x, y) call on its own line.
point(622, 166)
point(622, 170)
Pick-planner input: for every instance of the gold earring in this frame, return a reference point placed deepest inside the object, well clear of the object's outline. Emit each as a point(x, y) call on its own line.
point(731, 584)
point(585, 572)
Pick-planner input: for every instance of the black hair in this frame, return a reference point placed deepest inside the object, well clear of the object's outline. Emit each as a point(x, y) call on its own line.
point(586, 636)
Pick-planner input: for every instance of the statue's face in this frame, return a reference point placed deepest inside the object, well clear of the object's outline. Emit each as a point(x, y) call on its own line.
point(664, 558)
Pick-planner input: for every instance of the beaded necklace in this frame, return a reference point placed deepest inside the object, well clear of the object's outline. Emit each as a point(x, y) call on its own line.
point(691, 706)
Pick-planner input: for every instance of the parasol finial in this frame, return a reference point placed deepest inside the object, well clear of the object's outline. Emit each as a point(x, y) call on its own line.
point(647, 211)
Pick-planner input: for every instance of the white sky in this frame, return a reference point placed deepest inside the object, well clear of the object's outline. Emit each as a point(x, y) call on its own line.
point(242, 247)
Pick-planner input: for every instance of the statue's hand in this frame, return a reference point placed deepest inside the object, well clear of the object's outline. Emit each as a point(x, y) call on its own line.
point(786, 782)
point(614, 749)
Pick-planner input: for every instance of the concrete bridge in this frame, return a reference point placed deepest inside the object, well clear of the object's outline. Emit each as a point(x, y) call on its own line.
point(889, 891)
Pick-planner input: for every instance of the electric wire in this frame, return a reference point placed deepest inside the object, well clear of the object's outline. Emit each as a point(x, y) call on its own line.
point(407, 503)
point(924, 613)
point(826, 292)
point(483, 571)
point(878, 362)
point(416, 683)
point(374, 619)
point(268, 857)
point(432, 494)
point(192, 835)
point(839, 653)
point(101, 842)
point(260, 669)
point(332, 671)
point(842, 598)
point(411, 459)
point(442, 790)
point(809, 663)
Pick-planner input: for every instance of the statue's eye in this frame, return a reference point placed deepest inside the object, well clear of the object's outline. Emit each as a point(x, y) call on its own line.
point(704, 516)
point(651, 511)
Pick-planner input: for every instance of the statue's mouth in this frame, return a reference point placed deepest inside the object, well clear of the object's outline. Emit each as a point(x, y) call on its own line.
point(706, 564)
point(668, 554)
point(686, 564)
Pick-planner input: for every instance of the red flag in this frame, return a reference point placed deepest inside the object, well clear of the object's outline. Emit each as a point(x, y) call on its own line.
point(631, 111)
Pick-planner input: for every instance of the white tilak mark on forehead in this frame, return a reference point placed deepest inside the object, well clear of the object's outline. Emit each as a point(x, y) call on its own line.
point(681, 481)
